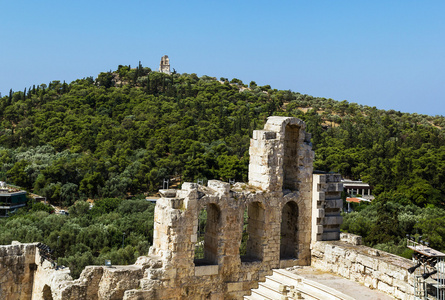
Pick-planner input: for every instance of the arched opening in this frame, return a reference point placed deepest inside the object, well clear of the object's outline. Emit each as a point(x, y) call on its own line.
point(46, 293)
point(206, 247)
point(290, 159)
point(251, 248)
point(289, 231)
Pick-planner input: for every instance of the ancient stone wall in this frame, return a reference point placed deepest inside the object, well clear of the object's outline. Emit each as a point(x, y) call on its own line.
point(373, 268)
point(278, 203)
point(17, 269)
point(276, 240)
point(281, 156)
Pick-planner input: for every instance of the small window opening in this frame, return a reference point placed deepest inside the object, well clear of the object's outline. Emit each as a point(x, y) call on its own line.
point(289, 231)
point(251, 248)
point(206, 247)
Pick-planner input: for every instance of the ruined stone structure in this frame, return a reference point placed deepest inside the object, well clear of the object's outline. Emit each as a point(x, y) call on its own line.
point(17, 268)
point(164, 66)
point(290, 212)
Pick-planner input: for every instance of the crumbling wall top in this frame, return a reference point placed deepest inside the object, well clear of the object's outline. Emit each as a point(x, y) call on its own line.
point(278, 124)
point(281, 156)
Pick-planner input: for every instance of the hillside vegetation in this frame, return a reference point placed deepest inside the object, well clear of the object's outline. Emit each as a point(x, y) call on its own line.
point(123, 133)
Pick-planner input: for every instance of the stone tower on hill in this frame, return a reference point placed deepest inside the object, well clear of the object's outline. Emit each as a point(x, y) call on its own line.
point(164, 66)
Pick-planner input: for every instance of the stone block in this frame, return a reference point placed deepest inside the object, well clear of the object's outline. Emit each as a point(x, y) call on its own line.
point(393, 270)
point(401, 285)
point(371, 282)
point(319, 213)
point(331, 235)
point(206, 270)
point(385, 278)
point(332, 220)
point(234, 286)
point(334, 203)
point(367, 261)
point(168, 193)
point(350, 238)
point(318, 178)
point(264, 135)
point(219, 186)
point(359, 268)
point(385, 288)
point(344, 271)
point(333, 178)
point(334, 187)
point(188, 186)
point(400, 294)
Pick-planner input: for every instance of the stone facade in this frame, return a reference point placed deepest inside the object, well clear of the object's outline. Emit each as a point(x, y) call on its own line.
point(281, 156)
point(278, 204)
point(17, 270)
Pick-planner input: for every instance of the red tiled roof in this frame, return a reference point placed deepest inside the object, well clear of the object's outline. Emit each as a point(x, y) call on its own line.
point(356, 200)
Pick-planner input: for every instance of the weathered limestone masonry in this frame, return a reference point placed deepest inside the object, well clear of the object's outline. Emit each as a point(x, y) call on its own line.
point(278, 203)
point(373, 268)
point(25, 275)
point(17, 268)
point(281, 156)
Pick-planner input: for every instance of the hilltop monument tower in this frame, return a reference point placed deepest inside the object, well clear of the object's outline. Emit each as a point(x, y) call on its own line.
point(164, 66)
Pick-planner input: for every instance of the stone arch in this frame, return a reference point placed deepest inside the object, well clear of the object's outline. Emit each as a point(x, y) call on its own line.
point(290, 158)
point(254, 232)
point(207, 235)
point(47, 293)
point(289, 231)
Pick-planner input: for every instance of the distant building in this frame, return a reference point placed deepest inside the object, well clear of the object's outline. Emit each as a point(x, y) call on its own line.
point(350, 200)
point(164, 66)
point(10, 199)
point(357, 187)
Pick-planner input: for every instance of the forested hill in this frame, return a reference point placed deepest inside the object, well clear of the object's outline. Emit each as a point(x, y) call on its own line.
point(125, 131)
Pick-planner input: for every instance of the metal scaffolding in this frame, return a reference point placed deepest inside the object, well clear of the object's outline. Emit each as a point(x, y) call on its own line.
point(429, 271)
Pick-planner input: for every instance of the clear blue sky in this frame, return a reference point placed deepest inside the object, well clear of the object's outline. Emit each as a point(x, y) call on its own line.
point(388, 54)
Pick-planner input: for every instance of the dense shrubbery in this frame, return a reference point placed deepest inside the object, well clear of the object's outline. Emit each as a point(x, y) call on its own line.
point(86, 237)
point(384, 225)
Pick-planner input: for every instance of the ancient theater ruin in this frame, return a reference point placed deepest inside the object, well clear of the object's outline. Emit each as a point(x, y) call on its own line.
point(286, 215)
